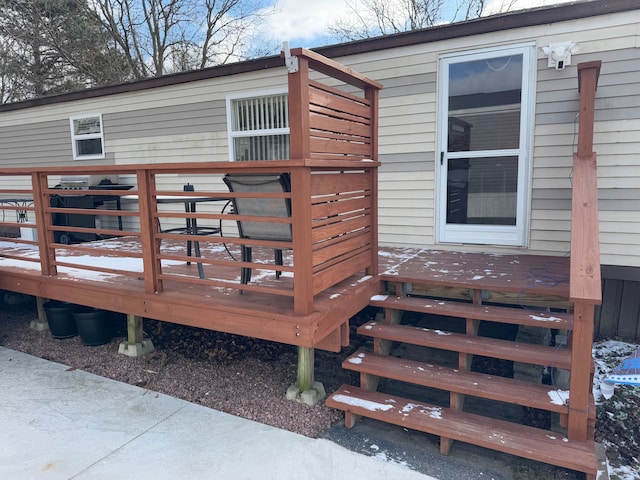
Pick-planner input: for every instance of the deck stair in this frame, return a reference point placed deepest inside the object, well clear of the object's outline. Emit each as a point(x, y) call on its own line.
point(384, 370)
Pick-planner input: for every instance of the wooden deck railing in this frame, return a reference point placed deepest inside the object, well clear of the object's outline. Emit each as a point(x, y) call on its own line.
point(332, 215)
point(333, 169)
point(585, 282)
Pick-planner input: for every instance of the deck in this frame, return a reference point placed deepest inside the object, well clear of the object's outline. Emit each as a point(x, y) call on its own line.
point(255, 313)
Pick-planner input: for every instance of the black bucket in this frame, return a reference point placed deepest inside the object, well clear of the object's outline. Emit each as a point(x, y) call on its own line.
point(94, 325)
point(60, 319)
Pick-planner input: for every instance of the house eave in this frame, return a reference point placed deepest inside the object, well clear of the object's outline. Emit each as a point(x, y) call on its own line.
point(495, 23)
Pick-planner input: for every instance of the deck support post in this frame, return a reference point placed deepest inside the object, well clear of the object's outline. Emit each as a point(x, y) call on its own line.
point(40, 324)
point(306, 390)
point(136, 345)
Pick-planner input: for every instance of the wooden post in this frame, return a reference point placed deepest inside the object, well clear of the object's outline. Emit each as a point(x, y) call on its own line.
point(372, 95)
point(585, 284)
point(40, 324)
point(306, 357)
point(302, 251)
point(301, 188)
point(580, 382)
point(588, 74)
point(44, 222)
point(134, 329)
point(136, 345)
point(148, 227)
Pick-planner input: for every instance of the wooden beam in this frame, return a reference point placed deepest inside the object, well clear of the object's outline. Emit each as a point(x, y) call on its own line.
point(334, 69)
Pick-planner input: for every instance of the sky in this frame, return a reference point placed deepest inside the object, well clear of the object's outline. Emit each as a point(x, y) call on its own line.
point(304, 23)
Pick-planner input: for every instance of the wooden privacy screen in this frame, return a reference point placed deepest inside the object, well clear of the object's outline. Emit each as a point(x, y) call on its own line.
point(341, 210)
point(339, 124)
point(330, 122)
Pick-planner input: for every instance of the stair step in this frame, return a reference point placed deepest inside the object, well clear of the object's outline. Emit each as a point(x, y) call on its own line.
point(488, 347)
point(511, 315)
point(502, 389)
point(524, 441)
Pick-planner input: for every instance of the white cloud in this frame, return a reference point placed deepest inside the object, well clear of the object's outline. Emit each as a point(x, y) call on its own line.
point(305, 22)
point(497, 6)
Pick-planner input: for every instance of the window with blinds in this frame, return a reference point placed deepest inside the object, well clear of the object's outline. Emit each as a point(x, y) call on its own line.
point(259, 127)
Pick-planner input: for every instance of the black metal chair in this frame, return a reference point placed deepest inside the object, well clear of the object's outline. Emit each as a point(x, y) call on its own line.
point(269, 207)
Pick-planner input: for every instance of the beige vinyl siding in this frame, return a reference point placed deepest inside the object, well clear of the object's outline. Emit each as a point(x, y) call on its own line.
point(170, 113)
point(407, 142)
point(41, 144)
point(409, 192)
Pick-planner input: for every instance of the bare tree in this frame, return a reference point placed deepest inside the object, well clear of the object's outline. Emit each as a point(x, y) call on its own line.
point(165, 36)
point(373, 18)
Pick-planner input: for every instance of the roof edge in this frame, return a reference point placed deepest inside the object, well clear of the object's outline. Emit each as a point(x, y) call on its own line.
point(506, 21)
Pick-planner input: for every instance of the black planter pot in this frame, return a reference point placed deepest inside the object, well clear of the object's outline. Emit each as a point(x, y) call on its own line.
point(60, 319)
point(94, 325)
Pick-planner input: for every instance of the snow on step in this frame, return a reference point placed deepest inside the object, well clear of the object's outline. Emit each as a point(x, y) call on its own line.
point(492, 313)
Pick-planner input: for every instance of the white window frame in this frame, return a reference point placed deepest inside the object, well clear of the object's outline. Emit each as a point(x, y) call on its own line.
point(250, 133)
point(506, 235)
point(89, 136)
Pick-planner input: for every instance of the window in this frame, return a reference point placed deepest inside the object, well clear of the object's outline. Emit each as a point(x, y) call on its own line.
point(258, 127)
point(485, 117)
point(87, 138)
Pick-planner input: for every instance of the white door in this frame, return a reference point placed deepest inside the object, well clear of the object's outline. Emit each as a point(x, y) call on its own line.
point(486, 109)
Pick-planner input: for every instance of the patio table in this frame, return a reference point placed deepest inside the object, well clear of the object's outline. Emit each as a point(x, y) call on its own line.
point(191, 224)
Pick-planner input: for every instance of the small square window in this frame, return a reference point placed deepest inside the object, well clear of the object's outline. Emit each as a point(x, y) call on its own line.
point(87, 138)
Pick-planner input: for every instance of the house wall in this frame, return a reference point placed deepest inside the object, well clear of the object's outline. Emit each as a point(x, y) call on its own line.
point(187, 122)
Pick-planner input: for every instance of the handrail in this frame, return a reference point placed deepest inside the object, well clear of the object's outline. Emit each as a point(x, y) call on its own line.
point(334, 69)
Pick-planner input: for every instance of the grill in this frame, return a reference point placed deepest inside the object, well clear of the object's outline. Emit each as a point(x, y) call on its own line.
point(69, 200)
point(86, 182)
